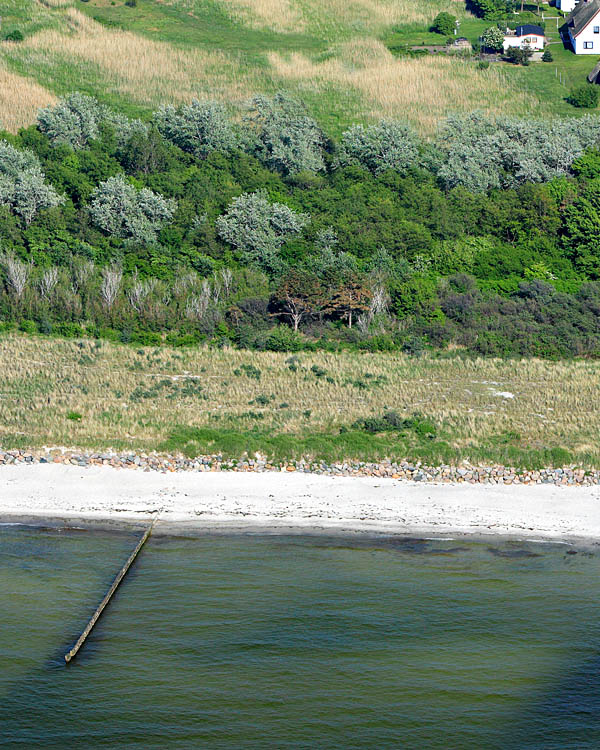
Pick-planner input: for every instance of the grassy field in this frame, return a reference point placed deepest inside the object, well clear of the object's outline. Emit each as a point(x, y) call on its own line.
point(333, 54)
point(90, 394)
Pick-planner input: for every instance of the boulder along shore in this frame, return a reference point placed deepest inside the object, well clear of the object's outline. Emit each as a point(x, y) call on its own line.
point(415, 472)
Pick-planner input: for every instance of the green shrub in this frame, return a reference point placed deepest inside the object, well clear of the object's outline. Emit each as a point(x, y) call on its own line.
point(518, 56)
point(250, 371)
point(444, 23)
point(262, 400)
point(74, 416)
point(547, 56)
point(585, 96)
point(14, 36)
point(28, 326)
point(69, 330)
point(392, 421)
point(145, 338)
point(292, 363)
point(283, 339)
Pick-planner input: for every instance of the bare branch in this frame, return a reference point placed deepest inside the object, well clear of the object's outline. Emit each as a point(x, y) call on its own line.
point(111, 285)
point(17, 273)
point(82, 272)
point(48, 282)
point(227, 279)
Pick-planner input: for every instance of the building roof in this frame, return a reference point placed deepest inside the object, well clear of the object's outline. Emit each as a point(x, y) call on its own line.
point(529, 29)
point(594, 76)
point(581, 15)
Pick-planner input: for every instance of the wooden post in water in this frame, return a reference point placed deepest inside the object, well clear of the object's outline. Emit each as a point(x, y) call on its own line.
point(111, 591)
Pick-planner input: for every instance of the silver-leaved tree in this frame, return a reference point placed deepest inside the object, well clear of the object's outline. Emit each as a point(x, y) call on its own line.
point(198, 128)
point(387, 145)
point(288, 139)
point(77, 119)
point(121, 210)
point(258, 229)
point(23, 186)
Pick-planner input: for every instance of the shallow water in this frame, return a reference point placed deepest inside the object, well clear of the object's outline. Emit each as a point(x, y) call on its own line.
point(248, 641)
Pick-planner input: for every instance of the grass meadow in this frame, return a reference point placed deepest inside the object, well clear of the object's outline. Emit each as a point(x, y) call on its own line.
point(333, 54)
point(99, 395)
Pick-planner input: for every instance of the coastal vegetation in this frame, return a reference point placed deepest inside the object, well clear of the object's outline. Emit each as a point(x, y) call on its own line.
point(312, 231)
point(193, 228)
point(350, 62)
point(317, 405)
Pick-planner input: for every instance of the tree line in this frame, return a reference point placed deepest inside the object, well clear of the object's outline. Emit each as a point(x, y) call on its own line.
point(258, 229)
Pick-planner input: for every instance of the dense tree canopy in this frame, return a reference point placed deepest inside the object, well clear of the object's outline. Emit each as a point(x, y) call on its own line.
point(388, 145)
point(288, 139)
point(134, 215)
point(265, 233)
point(198, 128)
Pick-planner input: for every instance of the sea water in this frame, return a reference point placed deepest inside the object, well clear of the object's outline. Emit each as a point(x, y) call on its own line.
point(263, 641)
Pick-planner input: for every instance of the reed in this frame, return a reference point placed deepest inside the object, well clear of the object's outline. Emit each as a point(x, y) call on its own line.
point(334, 17)
point(100, 395)
point(20, 99)
point(141, 69)
point(421, 90)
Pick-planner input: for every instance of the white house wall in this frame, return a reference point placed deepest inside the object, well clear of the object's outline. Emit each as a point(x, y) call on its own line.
point(587, 37)
point(533, 42)
point(566, 5)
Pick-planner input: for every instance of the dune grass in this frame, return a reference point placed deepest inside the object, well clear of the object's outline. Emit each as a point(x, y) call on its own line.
point(138, 69)
point(20, 99)
point(526, 413)
point(333, 54)
point(423, 89)
point(334, 18)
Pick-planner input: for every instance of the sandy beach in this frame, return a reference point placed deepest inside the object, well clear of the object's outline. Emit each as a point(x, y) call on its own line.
point(277, 501)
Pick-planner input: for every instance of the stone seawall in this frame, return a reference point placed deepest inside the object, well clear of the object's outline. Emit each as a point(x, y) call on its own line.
point(404, 470)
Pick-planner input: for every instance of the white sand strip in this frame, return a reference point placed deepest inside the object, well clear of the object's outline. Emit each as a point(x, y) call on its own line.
point(301, 501)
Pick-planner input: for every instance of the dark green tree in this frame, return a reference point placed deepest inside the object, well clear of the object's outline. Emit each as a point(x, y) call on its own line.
point(585, 96)
point(518, 55)
point(582, 230)
point(444, 23)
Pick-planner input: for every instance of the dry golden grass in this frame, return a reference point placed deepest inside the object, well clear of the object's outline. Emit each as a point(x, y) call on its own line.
point(56, 3)
point(421, 90)
point(279, 15)
point(360, 74)
point(42, 381)
point(325, 17)
point(20, 99)
point(143, 70)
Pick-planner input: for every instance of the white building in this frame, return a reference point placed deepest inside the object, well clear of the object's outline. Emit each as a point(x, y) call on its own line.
point(583, 23)
point(566, 5)
point(525, 36)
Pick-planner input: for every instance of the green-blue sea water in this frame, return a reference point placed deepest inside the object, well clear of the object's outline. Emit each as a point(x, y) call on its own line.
point(262, 641)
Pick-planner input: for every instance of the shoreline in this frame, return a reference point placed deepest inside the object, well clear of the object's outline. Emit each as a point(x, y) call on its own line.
point(417, 471)
point(282, 502)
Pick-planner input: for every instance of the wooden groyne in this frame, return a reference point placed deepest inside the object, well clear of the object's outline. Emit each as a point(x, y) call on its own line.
point(115, 584)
